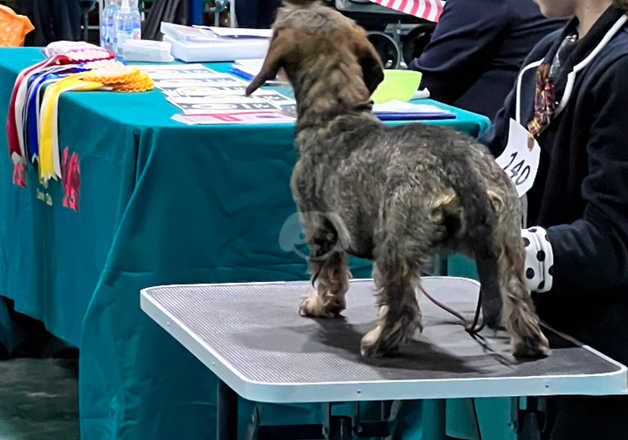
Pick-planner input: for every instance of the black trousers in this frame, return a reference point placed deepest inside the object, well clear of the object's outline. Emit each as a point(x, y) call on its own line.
point(256, 13)
point(53, 20)
point(584, 418)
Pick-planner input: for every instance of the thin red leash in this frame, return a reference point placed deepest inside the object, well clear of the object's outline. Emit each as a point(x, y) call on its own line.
point(471, 328)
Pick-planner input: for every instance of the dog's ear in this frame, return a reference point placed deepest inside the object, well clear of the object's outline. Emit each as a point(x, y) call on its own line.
point(372, 68)
point(282, 42)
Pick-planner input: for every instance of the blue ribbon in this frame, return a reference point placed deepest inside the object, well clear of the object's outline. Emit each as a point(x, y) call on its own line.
point(31, 124)
point(36, 86)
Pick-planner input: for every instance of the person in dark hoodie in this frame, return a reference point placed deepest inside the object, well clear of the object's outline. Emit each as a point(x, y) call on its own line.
point(572, 98)
point(476, 50)
point(256, 13)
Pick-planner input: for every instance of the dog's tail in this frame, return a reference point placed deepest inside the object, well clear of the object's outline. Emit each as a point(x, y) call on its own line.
point(467, 182)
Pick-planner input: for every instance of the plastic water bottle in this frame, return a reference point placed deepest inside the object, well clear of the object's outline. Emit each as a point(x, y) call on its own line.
point(103, 25)
point(107, 29)
point(127, 23)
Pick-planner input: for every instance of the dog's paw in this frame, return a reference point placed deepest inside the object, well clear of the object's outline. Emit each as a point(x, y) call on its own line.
point(533, 347)
point(419, 326)
point(316, 307)
point(491, 315)
point(370, 346)
point(384, 341)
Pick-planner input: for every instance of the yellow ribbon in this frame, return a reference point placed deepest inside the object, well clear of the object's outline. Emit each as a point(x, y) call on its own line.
point(110, 75)
point(49, 162)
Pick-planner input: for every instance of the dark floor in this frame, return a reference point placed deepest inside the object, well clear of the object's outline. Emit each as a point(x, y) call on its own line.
point(38, 399)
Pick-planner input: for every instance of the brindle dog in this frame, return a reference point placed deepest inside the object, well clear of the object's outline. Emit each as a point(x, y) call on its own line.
point(396, 195)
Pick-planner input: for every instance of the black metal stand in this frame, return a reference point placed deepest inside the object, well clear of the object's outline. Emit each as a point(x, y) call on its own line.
point(333, 427)
point(530, 420)
point(227, 413)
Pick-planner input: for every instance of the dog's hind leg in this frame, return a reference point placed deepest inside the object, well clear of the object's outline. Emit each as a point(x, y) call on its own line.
point(487, 264)
point(330, 273)
point(518, 314)
point(399, 313)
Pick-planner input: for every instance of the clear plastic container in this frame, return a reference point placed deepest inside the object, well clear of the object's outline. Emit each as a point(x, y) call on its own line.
point(146, 51)
point(127, 23)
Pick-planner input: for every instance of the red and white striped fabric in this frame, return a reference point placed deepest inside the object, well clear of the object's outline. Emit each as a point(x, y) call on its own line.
point(425, 9)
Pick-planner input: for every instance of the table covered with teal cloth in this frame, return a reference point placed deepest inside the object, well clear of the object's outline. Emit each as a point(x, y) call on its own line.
point(159, 203)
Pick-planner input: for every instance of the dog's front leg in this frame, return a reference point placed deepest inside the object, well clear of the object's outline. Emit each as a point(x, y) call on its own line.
point(328, 266)
point(331, 282)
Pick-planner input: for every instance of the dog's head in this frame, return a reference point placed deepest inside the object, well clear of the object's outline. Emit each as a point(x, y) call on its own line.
point(305, 31)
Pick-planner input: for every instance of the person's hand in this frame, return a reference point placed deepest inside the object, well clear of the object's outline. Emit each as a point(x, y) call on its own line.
point(539, 259)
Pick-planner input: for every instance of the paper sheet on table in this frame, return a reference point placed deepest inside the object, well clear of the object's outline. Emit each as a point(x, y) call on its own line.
point(230, 104)
point(227, 32)
point(400, 107)
point(187, 72)
point(222, 93)
point(208, 91)
point(157, 68)
point(196, 89)
point(179, 32)
point(248, 68)
point(256, 118)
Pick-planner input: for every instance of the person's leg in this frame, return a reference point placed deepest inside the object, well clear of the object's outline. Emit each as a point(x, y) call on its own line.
point(575, 418)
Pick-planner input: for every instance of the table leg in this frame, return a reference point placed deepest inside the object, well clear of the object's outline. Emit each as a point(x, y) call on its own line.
point(530, 420)
point(227, 413)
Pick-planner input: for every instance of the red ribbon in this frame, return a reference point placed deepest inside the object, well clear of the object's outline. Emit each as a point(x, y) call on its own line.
point(18, 174)
point(14, 145)
point(71, 179)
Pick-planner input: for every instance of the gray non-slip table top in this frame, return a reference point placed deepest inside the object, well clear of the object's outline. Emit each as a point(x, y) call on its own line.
point(251, 336)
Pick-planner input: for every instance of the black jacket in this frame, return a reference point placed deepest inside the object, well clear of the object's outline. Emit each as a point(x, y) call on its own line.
point(256, 13)
point(581, 191)
point(477, 49)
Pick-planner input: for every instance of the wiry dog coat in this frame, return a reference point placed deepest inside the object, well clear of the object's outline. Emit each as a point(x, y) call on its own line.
point(396, 195)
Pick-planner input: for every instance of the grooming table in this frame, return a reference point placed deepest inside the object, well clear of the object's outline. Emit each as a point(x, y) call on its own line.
point(251, 336)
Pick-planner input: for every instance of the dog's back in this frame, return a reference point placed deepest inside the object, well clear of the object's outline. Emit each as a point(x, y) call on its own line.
point(361, 166)
point(397, 195)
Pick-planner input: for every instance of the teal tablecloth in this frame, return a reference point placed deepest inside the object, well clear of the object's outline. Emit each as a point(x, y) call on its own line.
point(160, 203)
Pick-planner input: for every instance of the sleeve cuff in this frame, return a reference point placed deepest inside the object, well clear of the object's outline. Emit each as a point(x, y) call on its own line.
point(539, 259)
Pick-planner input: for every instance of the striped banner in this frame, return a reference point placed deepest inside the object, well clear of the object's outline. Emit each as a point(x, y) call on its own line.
point(426, 9)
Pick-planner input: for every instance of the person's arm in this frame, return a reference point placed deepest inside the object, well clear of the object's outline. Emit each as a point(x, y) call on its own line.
point(592, 252)
point(462, 45)
point(496, 137)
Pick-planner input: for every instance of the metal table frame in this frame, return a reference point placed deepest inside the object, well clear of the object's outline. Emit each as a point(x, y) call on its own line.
point(527, 420)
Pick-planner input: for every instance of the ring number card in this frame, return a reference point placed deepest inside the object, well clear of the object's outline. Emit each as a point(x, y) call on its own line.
point(520, 159)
